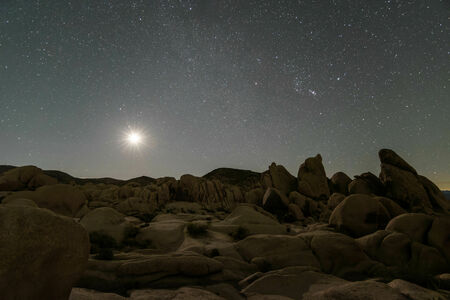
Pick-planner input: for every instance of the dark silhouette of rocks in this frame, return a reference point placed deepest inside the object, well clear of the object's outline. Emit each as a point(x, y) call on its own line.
point(231, 234)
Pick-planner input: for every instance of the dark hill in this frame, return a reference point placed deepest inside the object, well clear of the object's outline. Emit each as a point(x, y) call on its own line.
point(63, 177)
point(244, 178)
point(4, 168)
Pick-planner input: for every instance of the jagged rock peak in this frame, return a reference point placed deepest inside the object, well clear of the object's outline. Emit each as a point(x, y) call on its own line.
point(388, 156)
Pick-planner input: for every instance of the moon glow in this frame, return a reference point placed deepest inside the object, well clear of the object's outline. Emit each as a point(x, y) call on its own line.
point(134, 138)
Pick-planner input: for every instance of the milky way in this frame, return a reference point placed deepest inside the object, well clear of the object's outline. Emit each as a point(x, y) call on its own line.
point(224, 83)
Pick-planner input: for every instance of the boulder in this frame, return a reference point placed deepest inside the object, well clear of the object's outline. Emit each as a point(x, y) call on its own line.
point(390, 248)
point(238, 268)
point(443, 281)
point(334, 200)
point(307, 205)
point(339, 183)
point(187, 293)
point(63, 199)
point(276, 251)
point(415, 292)
point(275, 202)
point(85, 294)
point(393, 208)
point(402, 183)
point(19, 202)
point(136, 206)
point(190, 264)
point(252, 218)
point(359, 186)
point(368, 289)
point(254, 196)
point(373, 183)
point(404, 188)
point(389, 157)
point(435, 195)
point(338, 254)
point(281, 179)
point(24, 178)
point(296, 212)
point(209, 193)
point(167, 235)
point(359, 215)
point(245, 214)
point(292, 282)
point(439, 235)
point(106, 220)
point(42, 254)
point(312, 180)
point(426, 261)
point(415, 225)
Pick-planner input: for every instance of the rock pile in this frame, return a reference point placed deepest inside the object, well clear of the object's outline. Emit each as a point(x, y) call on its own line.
point(232, 234)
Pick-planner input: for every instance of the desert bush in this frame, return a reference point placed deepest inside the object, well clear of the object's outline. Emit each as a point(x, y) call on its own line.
point(214, 252)
point(129, 239)
point(100, 240)
point(265, 266)
point(197, 229)
point(147, 217)
point(240, 233)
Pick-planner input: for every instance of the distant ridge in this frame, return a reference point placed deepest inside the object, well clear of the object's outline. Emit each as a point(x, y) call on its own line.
point(63, 177)
point(237, 177)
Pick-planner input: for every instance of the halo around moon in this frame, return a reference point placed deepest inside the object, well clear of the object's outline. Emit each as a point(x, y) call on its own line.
point(134, 139)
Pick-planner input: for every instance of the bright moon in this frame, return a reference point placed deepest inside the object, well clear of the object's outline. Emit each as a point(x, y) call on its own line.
point(134, 138)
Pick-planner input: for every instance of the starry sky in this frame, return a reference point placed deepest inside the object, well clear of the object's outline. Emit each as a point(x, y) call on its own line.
point(224, 83)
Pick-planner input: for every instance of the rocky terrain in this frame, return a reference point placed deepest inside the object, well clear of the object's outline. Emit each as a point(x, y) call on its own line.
point(231, 234)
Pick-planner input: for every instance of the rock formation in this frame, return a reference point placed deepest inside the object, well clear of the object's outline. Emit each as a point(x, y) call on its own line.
point(42, 254)
point(231, 234)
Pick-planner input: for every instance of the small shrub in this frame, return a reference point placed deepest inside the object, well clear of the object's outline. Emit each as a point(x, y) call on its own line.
point(129, 239)
point(265, 266)
point(214, 252)
point(146, 217)
point(100, 241)
point(240, 233)
point(105, 254)
point(195, 229)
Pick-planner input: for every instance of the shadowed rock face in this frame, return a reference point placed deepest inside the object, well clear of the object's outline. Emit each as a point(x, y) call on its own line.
point(339, 183)
point(42, 254)
point(389, 157)
point(312, 180)
point(359, 215)
point(408, 189)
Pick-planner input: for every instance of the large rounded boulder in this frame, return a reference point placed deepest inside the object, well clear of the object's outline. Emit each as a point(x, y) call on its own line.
point(439, 235)
point(339, 183)
point(42, 254)
point(62, 199)
point(415, 225)
point(358, 215)
point(23, 178)
point(107, 221)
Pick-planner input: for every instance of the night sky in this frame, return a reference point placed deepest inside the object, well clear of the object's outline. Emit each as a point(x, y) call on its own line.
point(224, 83)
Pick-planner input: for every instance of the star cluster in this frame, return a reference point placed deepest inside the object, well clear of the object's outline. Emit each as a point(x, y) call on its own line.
point(224, 83)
